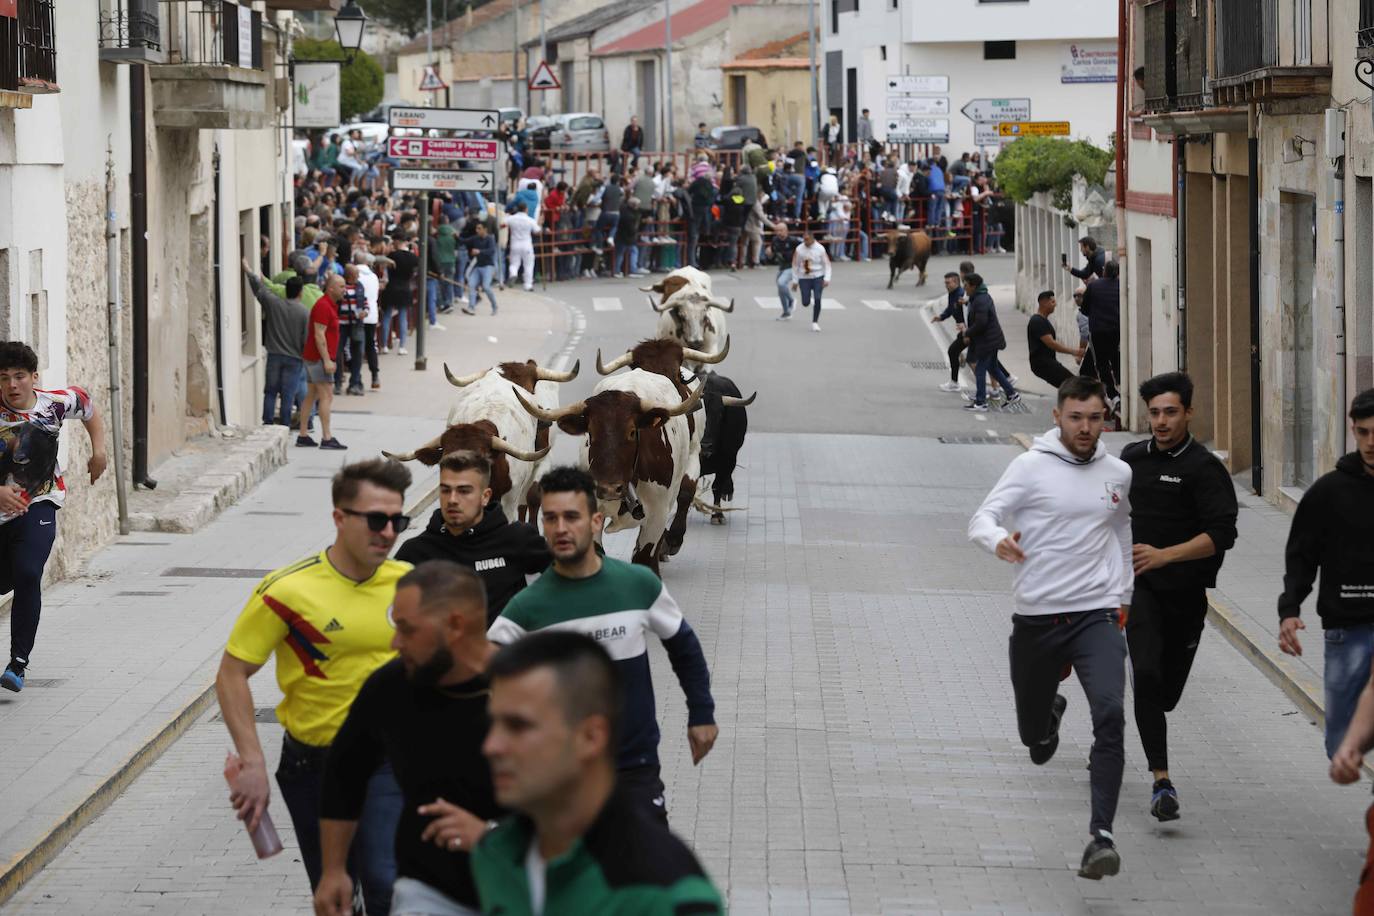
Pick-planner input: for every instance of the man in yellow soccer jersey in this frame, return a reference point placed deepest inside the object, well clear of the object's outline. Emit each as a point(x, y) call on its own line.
point(327, 620)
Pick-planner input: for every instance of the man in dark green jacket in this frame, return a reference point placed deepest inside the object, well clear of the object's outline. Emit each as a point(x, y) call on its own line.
point(578, 847)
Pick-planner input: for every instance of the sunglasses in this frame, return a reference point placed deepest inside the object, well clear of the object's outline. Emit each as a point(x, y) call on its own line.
point(377, 521)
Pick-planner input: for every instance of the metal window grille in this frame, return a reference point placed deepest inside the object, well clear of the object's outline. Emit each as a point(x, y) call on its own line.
point(1247, 36)
point(130, 24)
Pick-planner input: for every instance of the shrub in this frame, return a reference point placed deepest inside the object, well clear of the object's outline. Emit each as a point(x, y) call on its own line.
point(1032, 164)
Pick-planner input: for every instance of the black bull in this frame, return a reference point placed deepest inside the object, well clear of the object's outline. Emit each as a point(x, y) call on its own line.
point(724, 435)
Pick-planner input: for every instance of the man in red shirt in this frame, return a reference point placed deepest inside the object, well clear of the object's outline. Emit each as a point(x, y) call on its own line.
point(321, 343)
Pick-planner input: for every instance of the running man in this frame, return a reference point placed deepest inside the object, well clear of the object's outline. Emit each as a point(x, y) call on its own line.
point(1332, 532)
point(811, 270)
point(784, 246)
point(954, 308)
point(1183, 520)
point(620, 605)
point(325, 618)
point(1070, 501)
point(32, 488)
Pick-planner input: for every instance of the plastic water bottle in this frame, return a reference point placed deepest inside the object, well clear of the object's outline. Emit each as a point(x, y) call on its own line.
point(266, 843)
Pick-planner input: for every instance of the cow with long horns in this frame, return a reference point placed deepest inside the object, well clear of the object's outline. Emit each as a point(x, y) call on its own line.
point(689, 312)
point(489, 420)
point(637, 439)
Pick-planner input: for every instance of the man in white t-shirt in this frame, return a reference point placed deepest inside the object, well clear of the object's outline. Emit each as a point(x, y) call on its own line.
point(369, 286)
point(522, 229)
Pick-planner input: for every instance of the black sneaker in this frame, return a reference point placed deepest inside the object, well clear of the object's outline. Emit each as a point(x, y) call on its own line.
point(1164, 801)
point(305, 442)
point(334, 444)
point(1100, 858)
point(1041, 753)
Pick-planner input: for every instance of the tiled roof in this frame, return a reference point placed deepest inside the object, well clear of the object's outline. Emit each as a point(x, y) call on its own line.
point(588, 23)
point(686, 22)
point(773, 49)
point(770, 63)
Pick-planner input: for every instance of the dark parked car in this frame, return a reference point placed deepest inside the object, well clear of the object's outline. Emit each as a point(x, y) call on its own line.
point(734, 136)
point(539, 128)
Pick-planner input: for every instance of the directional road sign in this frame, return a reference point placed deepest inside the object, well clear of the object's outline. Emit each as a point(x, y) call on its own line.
point(543, 77)
point(985, 134)
point(997, 110)
point(917, 105)
point(444, 118)
point(935, 85)
point(917, 130)
point(442, 180)
point(447, 150)
point(1033, 128)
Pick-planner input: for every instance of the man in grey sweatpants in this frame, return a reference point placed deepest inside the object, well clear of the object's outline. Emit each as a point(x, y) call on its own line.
point(1062, 513)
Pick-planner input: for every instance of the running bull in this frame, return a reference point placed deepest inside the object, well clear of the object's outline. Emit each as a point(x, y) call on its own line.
point(909, 250)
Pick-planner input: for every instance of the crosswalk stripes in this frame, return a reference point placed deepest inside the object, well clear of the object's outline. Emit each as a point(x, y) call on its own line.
point(768, 302)
point(606, 303)
point(879, 305)
point(831, 304)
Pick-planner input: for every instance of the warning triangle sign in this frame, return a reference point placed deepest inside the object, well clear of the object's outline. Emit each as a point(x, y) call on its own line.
point(431, 81)
point(543, 77)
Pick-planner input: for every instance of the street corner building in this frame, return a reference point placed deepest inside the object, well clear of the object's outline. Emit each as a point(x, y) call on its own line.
point(143, 154)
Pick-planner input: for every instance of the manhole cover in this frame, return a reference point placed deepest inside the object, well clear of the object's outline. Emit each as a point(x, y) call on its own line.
point(930, 364)
point(214, 572)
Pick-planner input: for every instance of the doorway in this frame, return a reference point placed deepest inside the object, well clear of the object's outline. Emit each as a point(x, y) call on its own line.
point(1297, 259)
point(739, 101)
point(648, 102)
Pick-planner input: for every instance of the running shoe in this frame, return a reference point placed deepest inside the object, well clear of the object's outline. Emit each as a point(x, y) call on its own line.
point(401, 351)
point(1164, 801)
point(469, 311)
point(1100, 858)
point(437, 327)
point(1041, 753)
point(1015, 398)
point(816, 326)
point(784, 316)
point(975, 407)
point(13, 678)
point(333, 444)
point(949, 386)
point(305, 442)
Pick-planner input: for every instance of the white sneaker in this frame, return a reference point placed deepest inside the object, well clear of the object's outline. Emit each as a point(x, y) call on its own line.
point(437, 327)
point(815, 325)
point(401, 351)
point(949, 386)
point(529, 289)
point(386, 350)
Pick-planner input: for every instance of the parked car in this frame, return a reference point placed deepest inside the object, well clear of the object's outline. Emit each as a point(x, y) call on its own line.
point(510, 114)
point(734, 136)
point(539, 127)
point(580, 132)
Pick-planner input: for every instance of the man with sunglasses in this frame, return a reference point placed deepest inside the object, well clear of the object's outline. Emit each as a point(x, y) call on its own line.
point(326, 619)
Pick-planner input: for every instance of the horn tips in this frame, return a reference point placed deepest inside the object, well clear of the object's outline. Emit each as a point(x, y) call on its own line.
point(576, 368)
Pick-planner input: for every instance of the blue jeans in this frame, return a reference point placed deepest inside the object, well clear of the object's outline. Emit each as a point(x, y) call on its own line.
point(432, 295)
point(1345, 671)
point(605, 227)
point(390, 312)
point(795, 187)
point(372, 859)
point(988, 362)
point(460, 272)
point(811, 292)
point(481, 280)
point(784, 293)
point(283, 372)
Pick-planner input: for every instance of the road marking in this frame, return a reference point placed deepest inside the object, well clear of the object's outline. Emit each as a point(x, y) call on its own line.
point(768, 302)
point(607, 304)
point(879, 305)
point(830, 304)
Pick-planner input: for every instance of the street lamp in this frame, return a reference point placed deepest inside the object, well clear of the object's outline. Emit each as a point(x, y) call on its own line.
point(349, 24)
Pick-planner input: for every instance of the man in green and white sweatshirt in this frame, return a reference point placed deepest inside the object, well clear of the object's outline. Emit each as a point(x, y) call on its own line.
point(619, 605)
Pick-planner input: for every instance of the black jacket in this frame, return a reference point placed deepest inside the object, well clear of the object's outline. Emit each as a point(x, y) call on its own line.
point(1097, 261)
point(1175, 496)
point(503, 553)
point(1333, 530)
point(954, 307)
point(984, 331)
point(1102, 305)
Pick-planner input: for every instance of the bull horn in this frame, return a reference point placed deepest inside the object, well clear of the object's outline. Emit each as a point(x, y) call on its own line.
point(677, 410)
point(701, 356)
point(620, 362)
point(464, 380)
point(549, 375)
point(541, 413)
point(728, 401)
point(717, 305)
point(659, 307)
point(501, 445)
point(410, 456)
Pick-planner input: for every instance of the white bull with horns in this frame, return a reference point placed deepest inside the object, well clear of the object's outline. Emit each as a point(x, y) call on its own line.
point(689, 312)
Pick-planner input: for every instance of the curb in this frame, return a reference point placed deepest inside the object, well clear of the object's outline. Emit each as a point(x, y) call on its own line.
point(28, 863)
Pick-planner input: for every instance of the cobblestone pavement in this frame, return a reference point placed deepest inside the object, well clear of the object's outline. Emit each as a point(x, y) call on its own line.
point(868, 760)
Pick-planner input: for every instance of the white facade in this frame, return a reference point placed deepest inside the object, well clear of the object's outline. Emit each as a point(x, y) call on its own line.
point(1053, 40)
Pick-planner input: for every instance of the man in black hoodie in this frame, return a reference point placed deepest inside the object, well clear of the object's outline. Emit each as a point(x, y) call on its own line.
point(470, 529)
point(1102, 305)
point(1183, 520)
point(1333, 530)
point(985, 340)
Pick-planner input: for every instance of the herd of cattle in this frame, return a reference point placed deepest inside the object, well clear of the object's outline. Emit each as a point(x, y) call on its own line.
point(643, 437)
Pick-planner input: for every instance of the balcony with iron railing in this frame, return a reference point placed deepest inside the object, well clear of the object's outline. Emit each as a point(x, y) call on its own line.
point(1249, 65)
point(28, 51)
point(1364, 38)
point(1175, 54)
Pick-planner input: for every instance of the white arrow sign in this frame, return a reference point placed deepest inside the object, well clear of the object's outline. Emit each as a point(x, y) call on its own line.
point(448, 150)
point(437, 180)
point(918, 130)
point(935, 85)
point(917, 105)
point(444, 118)
point(997, 110)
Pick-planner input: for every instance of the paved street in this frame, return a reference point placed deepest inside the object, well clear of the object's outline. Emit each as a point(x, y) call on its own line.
point(868, 760)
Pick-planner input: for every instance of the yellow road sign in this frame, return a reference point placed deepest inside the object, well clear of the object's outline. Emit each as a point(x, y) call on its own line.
point(1033, 129)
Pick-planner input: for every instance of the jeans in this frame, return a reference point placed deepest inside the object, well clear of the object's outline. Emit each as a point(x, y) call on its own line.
point(784, 291)
point(811, 292)
point(432, 299)
point(987, 362)
point(1089, 640)
point(839, 230)
point(283, 372)
point(605, 227)
point(701, 227)
point(460, 272)
point(372, 860)
point(623, 259)
point(390, 312)
point(25, 542)
point(410, 897)
point(1346, 671)
point(351, 347)
point(794, 186)
point(481, 280)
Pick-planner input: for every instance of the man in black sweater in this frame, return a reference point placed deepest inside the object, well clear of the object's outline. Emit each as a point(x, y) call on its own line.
point(954, 308)
point(1333, 531)
point(1102, 305)
point(425, 712)
point(470, 529)
point(1183, 519)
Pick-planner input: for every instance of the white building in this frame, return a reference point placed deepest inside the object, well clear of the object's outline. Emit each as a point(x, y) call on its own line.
point(1058, 54)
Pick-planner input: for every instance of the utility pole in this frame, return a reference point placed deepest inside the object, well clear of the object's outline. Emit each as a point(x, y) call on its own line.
point(423, 283)
point(515, 58)
point(429, 46)
point(543, 58)
point(668, 46)
point(815, 75)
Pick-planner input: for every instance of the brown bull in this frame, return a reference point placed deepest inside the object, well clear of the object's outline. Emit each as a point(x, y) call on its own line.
point(663, 356)
point(908, 250)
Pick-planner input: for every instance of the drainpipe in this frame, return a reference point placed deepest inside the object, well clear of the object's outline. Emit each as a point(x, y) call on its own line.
point(138, 219)
point(219, 297)
point(1256, 439)
point(1336, 155)
point(112, 305)
point(1128, 404)
point(1181, 248)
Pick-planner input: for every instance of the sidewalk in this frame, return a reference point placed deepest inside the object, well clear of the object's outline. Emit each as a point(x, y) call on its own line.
point(127, 652)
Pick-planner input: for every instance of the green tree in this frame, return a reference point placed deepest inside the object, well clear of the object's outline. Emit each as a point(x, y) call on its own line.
point(1033, 164)
point(361, 81)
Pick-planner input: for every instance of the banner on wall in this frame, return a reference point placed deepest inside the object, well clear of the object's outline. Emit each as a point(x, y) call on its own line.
point(315, 95)
point(1089, 62)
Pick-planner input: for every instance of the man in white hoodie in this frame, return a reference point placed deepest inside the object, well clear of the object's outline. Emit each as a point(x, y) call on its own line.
point(1062, 513)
